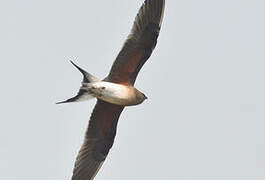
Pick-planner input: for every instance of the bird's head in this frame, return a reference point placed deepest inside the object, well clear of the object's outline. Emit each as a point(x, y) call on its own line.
point(144, 96)
point(140, 97)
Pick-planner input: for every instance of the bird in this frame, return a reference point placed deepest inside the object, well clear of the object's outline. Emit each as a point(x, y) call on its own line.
point(116, 91)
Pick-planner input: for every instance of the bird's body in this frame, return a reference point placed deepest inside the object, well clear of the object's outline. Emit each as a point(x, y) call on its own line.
point(117, 90)
point(115, 93)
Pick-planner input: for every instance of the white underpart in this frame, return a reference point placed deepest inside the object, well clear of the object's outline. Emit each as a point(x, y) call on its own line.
point(85, 97)
point(113, 93)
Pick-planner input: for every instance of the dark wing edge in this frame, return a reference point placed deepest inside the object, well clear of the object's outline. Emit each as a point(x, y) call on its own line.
point(139, 44)
point(99, 139)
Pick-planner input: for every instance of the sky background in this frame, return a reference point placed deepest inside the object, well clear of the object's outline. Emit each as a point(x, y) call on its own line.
point(205, 114)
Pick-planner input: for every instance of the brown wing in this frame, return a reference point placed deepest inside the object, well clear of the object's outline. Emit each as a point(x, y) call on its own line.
point(139, 44)
point(98, 140)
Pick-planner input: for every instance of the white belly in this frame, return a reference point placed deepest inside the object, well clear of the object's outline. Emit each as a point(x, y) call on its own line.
point(114, 93)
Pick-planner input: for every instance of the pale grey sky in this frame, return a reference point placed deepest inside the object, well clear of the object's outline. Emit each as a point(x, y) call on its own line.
point(205, 114)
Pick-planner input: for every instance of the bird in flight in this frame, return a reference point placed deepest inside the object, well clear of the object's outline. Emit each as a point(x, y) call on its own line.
point(115, 91)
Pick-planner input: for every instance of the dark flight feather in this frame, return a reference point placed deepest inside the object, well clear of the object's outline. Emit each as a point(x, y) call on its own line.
point(139, 44)
point(98, 140)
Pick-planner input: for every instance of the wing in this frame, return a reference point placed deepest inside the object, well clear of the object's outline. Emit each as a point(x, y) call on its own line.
point(98, 140)
point(139, 44)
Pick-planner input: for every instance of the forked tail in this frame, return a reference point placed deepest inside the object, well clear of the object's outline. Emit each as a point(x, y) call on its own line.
point(83, 93)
